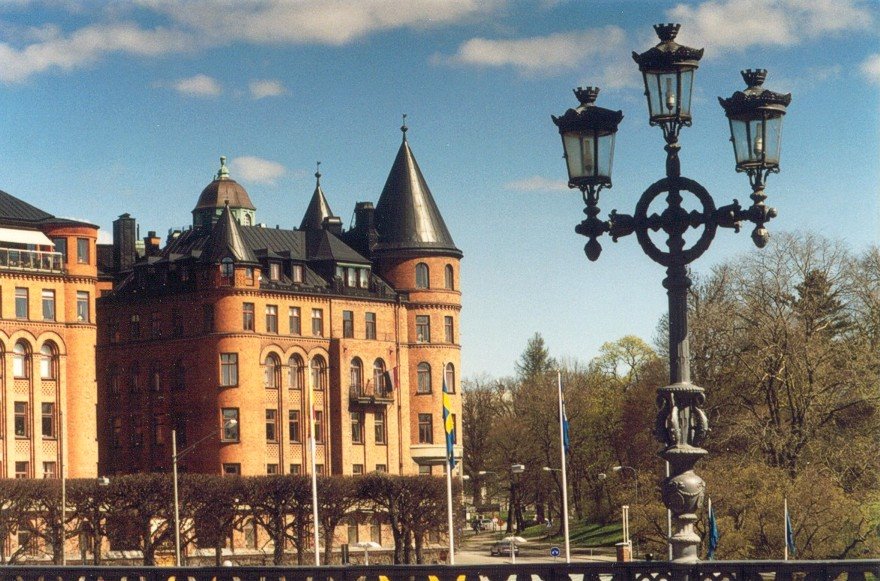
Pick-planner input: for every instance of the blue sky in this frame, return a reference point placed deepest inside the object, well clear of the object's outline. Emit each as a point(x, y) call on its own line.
point(119, 107)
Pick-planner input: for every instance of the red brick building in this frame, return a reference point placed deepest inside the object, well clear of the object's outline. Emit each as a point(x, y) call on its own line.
point(48, 283)
point(235, 320)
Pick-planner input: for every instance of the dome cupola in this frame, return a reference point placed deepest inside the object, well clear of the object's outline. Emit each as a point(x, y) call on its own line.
point(217, 195)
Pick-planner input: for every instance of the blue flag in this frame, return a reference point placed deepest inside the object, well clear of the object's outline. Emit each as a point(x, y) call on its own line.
point(566, 441)
point(713, 534)
point(448, 427)
point(789, 533)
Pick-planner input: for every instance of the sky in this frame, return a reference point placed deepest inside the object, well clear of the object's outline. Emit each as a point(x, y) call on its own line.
point(114, 107)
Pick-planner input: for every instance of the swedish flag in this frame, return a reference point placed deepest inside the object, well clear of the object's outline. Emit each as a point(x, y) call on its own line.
point(448, 427)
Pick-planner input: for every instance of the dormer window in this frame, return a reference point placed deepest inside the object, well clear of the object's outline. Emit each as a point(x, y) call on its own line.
point(297, 273)
point(352, 276)
point(274, 271)
point(364, 277)
point(249, 275)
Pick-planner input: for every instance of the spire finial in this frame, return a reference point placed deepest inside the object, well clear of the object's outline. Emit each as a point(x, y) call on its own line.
point(318, 173)
point(403, 127)
point(223, 172)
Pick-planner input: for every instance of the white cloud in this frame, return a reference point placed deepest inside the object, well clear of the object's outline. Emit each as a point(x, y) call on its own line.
point(870, 68)
point(53, 50)
point(256, 169)
point(266, 88)
point(198, 86)
point(740, 24)
point(314, 21)
point(536, 184)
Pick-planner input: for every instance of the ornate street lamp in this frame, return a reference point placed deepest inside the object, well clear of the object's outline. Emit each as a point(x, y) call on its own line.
point(756, 127)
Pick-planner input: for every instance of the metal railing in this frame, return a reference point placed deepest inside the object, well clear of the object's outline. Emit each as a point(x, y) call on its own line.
point(865, 570)
point(31, 260)
point(369, 394)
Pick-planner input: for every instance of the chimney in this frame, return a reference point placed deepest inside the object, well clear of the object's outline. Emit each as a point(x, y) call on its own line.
point(124, 238)
point(364, 213)
point(152, 243)
point(333, 224)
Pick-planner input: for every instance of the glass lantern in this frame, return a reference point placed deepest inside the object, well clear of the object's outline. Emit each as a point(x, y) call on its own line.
point(588, 140)
point(755, 117)
point(668, 73)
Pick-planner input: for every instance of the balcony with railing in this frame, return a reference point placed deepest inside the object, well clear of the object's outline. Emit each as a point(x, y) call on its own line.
point(36, 260)
point(370, 394)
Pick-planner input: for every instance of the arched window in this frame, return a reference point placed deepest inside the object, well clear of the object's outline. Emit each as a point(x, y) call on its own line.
point(379, 377)
point(449, 378)
point(179, 375)
point(21, 355)
point(319, 373)
point(295, 369)
point(356, 372)
point(449, 277)
point(422, 275)
point(227, 268)
point(424, 375)
point(155, 378)
point(48, 361)
point(271, 375)
point(134, 378)
point(113, 380)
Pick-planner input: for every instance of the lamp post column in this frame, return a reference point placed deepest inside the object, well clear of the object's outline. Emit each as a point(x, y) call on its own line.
point(176, 500)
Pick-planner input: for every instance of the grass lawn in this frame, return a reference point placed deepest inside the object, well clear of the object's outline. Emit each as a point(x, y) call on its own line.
point(580, 534)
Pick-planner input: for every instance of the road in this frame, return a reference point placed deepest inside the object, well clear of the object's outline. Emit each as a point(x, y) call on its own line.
point(474, 550)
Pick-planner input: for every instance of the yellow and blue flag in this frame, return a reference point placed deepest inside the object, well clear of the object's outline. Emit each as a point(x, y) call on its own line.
point(448, 427)
point(713, 533)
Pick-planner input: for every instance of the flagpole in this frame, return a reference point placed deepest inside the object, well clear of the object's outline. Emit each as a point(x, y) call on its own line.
point(313, 449)
point(564, 472)
point(449, 512)
point(785, 527)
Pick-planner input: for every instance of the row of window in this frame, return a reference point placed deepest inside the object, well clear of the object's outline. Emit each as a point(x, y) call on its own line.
point(227, 269)
point(423, 329)
point(423, 278)
point(294, 320)
point(23, 470)
point(21, 425)
point(83, 254)
point(426, 429)
point(21, 361)
point(47, 296)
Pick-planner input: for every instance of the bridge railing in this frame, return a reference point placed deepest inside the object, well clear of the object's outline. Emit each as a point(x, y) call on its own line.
point(862, 570)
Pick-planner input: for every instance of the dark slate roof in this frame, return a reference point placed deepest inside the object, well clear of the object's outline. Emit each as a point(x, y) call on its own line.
point(11, 208)
point(407, 218)
point(318, 208)
point(226, 241)
point(329, 247)
point(275, 240)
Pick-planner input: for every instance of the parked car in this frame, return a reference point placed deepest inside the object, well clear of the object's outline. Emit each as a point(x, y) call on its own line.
point(502, 548)
point(482, 524)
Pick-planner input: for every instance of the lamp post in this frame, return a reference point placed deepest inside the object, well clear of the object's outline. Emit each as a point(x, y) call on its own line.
point(175, 456)
point(755, 117)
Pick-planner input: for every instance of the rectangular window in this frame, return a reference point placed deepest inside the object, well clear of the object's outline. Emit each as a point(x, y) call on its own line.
point(379, 425)
point(448, 330)
point(21, 303)
point(135, 327)
point(317, 322)
point(247, 316)
point(230, 424)
point(271, 319)
point(232, 469)
point(423, 329)
point(376, 531)
point(370, 326)
point(351, 276)
point(61, 247)
point(364, 274)
point(271, 469)
point(50, 470)
point(348, 324)
point(352, 531)
point(155, 325)
point(295, 469)
point(82, 250)
point(424, 470)
point(319, 469)
point(21, 469)
point(21, 430)
point(48, 423)
point(117, 432)
point(382, 468)
point(319, 426)
point(176, 323)
point(274, 271)
point(357, 469)
point(357, 428)
point(297, 273)
point(271, 425)
point(426, 429)
point(82, 306)
point(48, 305)
point(207, 318)
point(295, 321)
point(228, 369)
point(293, 425)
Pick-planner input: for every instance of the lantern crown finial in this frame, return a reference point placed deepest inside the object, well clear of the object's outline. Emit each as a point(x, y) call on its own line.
point(754, 78)
point(586, 95)
point(667, 32)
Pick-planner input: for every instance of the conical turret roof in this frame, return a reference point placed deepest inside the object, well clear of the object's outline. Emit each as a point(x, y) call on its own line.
point(226, 241)
point(318, 207)
point(407, 218)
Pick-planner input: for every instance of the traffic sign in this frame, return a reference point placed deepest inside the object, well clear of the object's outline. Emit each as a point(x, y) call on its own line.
point(554, 551)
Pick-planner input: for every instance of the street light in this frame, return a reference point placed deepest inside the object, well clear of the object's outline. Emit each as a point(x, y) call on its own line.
point(635, 472)
point(755, 117)
point(175, 456)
